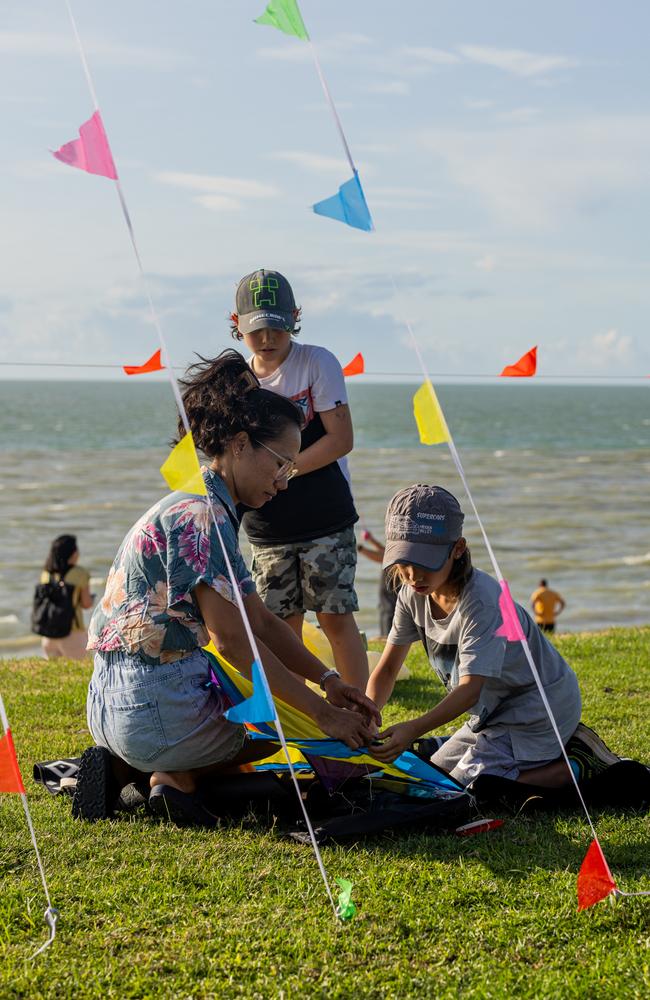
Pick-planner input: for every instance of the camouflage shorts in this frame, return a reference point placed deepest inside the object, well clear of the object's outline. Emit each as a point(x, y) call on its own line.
point(308, 576)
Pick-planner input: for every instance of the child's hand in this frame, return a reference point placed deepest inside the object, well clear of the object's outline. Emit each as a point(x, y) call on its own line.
point(395, 740)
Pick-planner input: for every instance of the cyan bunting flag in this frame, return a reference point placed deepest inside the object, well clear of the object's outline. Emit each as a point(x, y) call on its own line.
point(348, 206)
point(259, 707)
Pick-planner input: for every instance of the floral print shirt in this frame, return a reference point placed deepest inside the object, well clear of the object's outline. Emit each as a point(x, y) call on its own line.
point(148, 608)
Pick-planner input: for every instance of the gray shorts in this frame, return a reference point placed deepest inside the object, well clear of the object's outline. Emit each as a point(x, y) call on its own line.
point(308, 576)
point(162, 717)
point(466, 755)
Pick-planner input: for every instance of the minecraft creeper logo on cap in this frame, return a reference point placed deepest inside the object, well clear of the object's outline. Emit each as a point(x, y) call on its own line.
point(263, 290)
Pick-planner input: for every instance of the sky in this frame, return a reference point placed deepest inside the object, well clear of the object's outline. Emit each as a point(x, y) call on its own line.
point(504, 149)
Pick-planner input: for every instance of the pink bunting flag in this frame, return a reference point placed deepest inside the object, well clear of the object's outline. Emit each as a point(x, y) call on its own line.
point(154, 364)
point(511, 628)
point(356, 366)
point(90, 152)
point(525, 367)
point(595, 881)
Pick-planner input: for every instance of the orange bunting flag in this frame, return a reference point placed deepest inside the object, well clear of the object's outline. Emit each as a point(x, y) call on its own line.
point(356, 366)
point(10, 778)
point(181, 471)
point(429, 417)
point(525, 367)
point(154, 364)
point(595, 881)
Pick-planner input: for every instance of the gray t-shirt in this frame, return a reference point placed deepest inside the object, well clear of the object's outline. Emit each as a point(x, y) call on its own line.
point(464, 643)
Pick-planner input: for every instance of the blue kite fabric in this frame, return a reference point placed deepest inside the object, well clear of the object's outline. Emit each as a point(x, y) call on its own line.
point(259, 707)
point(348, 206)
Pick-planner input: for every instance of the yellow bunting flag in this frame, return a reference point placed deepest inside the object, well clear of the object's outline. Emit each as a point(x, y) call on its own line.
point(181, 470)
point(429, 416)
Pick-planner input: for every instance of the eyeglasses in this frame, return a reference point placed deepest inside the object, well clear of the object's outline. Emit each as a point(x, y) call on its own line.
point(288, 468)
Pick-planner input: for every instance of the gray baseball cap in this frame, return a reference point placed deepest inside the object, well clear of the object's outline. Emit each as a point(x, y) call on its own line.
point(422, 522)
point(265, 298)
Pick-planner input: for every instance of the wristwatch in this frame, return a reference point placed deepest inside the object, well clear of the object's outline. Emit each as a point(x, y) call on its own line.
point(326, 676)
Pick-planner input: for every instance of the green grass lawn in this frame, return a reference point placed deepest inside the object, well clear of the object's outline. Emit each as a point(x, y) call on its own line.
point(150, 910)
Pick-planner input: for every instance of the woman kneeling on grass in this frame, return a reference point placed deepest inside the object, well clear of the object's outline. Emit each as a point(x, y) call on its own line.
point(150, 704)
point(454, 610)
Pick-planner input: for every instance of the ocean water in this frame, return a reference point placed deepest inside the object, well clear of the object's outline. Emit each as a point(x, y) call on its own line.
point(559, 475)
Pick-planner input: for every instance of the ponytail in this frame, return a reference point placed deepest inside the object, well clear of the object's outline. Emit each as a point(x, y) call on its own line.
point(223, 397)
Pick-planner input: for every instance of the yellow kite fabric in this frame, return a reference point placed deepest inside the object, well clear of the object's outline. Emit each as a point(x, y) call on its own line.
point(305, 738)
point(181, 471)
point(429, 417)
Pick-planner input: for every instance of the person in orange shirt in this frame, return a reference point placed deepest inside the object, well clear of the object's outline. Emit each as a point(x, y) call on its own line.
point(547, 605)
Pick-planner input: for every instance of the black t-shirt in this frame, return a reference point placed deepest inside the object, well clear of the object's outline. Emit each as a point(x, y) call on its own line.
point(319, 503)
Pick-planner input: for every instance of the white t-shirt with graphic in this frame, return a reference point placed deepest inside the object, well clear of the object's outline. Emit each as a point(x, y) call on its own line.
point(312, 377)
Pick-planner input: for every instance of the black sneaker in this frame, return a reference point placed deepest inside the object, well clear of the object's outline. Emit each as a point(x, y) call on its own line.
point(96, 790)
point(589, 752)
point(182, 808)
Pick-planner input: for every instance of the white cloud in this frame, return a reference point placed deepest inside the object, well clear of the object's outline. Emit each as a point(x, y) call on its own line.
point(28, 43)
point(562, 169)
point(478, 104)
point(218, 193)
point(610, 346)
point(486, 263)
point(426, 55)
point(314, 162)
point(333, 49)
point(397, 87)
point(518, 115)
point(516, 61)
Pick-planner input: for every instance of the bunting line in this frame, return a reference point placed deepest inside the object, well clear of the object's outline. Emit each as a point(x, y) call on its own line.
point(183, 414)
point(51, 913)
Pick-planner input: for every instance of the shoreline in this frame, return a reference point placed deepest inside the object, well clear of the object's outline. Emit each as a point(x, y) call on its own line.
point(25, 648)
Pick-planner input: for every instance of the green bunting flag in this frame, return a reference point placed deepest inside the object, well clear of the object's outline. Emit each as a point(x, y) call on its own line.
point(346, 908)
point(284, 15)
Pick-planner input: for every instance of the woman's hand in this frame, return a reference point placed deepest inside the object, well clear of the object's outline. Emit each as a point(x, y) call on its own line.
point(344, 695)
point(395, 740)
point(350, 727)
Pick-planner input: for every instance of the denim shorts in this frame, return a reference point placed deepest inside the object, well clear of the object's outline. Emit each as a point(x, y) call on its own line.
point(165, 717)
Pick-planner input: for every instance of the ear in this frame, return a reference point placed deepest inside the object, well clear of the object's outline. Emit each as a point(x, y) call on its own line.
point(459, 548)
point(239, 443)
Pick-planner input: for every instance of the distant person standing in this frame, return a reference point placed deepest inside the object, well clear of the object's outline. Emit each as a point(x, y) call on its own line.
point(547, 605)
point(52, 611)
point(387, 594)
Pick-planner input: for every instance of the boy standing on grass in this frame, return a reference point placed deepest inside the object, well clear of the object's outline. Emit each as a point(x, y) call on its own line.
point(303, 543)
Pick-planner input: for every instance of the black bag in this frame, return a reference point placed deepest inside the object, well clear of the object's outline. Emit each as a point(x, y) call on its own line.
point(53, 611)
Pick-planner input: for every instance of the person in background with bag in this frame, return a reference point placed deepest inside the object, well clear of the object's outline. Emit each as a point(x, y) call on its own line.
point(61, 596)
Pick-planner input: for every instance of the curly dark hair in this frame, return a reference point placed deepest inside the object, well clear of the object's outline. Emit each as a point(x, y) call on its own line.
point(222, 397)
point(461, 572)
point(236, 335)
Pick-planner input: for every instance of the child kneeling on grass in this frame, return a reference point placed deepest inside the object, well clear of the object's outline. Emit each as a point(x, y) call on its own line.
point(454, 610)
